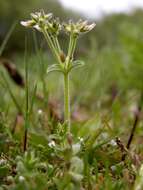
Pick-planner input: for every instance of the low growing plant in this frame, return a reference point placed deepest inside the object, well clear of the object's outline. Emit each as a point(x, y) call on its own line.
point(51, 27)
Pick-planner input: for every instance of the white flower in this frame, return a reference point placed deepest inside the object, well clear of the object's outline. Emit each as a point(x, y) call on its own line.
point(90, 27)
point(78, 27)
point(40, 112)
point(113, 168)
point(38, 15)
point(2, 161)
point(80, 139)
point(76, 148)
point(113, 142)
point(40, 20)
point(52, 144)
point(21, 178)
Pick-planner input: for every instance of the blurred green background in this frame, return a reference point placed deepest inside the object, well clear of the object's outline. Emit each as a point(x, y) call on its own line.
point(112, 52)
point(106, 96)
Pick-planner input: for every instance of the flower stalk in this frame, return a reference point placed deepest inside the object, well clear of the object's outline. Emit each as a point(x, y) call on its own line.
point(51, 45)
point(67, 114)
point(50, 27)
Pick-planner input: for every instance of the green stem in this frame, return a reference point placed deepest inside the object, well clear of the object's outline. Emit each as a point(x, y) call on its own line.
point(67, 101)
point(72, 45)
point(51, 45)
point(8, 35)
point(58, 45)
point(26, 107)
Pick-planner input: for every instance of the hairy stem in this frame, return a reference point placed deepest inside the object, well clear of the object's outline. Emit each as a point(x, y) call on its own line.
point(67, 101)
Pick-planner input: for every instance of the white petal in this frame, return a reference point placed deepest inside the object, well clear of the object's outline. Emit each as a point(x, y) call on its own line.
point(21, 178)
point(37, 27)
point(28, 23)
point(34, 16)
point(24, 23)
point(91, 26)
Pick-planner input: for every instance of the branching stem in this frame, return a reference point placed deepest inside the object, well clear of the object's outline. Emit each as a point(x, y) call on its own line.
point(52, 46)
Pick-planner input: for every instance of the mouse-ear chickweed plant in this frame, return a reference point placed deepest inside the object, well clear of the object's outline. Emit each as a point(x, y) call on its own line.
point(51, 27)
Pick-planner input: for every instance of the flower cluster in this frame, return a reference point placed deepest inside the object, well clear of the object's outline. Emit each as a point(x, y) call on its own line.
point(42, 21)
point(79, 27)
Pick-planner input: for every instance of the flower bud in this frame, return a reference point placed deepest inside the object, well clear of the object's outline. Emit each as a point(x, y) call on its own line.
point(62, 57)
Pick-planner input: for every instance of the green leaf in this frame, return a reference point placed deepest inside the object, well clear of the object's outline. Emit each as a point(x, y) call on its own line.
point(77, 165)
point(76, 64)
point(55, 67)
point(4, 170)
